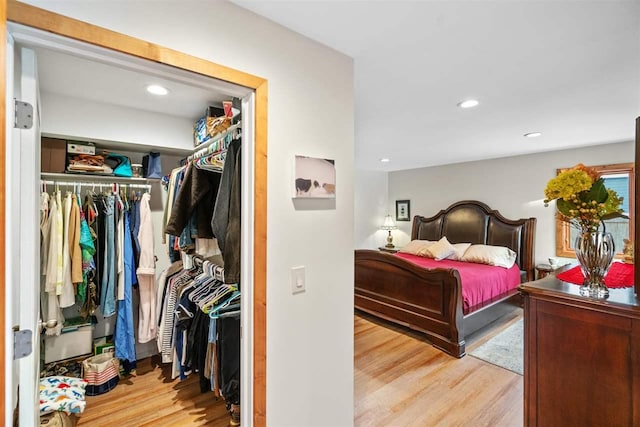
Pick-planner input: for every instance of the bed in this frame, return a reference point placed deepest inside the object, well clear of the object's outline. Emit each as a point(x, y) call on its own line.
point(429, 300)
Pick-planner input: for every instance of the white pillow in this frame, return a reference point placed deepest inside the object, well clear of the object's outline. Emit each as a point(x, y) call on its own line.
point(499, 256)
point(460, 249)
point(417, 247)
point(440, 250)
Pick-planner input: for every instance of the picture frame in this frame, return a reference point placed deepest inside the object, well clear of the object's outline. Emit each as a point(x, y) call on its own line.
point(314, 178)
point(403, 210)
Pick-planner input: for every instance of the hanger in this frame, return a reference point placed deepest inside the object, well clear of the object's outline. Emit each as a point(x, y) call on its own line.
point(214, 313)
point(220, 292)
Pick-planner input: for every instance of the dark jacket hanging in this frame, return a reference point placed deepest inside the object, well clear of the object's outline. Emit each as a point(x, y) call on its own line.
point(197, 195)
point(231, 252)
point(220, 219)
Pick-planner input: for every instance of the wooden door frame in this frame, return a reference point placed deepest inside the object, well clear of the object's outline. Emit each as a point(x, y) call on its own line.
point(21, 13)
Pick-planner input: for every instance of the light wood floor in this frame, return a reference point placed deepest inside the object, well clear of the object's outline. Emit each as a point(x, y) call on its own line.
point(151, 398)
point(401, 380)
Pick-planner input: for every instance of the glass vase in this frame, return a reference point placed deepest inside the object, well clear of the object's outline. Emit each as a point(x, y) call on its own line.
point(595, 252)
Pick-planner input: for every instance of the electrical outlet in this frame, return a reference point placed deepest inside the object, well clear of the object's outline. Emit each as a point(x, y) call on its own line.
point(297, 280)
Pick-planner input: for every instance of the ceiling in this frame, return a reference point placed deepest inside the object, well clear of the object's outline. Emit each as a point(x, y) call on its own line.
point(568, 69)
point(73, 76)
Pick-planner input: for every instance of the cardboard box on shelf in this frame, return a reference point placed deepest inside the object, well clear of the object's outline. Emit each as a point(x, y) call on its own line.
point(53, 155)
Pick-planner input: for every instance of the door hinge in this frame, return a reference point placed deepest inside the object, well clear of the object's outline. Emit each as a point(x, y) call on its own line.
point(22, 343)
point(23, 115)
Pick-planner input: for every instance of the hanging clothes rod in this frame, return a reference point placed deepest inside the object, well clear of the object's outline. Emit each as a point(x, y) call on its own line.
point(94, 184)
point(94, 179)
point(211, 146)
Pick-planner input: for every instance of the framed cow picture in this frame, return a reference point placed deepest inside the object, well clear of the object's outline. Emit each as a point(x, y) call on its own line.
point(314, 178)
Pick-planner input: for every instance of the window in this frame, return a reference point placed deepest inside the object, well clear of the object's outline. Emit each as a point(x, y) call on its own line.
point(621, 178)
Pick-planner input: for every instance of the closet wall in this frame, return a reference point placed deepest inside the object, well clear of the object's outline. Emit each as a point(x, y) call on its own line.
point(310, 354)
point(69, 115)
point(82, 119)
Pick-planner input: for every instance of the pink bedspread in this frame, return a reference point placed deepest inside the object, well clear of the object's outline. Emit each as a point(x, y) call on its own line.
point(480, 282)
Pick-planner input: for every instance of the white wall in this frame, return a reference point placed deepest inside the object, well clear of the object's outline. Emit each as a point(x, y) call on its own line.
point(309, 335)
point(67, 116)
point(371, 205)
point(512, 185)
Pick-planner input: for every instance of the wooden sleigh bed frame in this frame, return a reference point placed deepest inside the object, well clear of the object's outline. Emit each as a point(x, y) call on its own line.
point(430, 300)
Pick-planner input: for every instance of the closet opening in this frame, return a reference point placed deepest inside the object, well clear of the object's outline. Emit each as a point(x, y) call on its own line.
point(92, 100)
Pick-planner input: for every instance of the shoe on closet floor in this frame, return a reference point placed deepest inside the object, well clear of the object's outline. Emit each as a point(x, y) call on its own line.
point(235, 415)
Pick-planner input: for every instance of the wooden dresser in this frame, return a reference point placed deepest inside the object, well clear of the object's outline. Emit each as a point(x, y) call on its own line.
point(581, 356)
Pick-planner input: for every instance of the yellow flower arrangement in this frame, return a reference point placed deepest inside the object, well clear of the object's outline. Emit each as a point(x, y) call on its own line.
point(582, 198)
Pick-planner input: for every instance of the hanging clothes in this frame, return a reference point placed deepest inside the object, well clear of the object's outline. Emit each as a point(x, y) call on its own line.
point(220, 218)
point(168, 207)
point(197, 197)
point(146, 273)
point(134, 212)
point(75, 252)
point(52, 266)
point(125, 346)
point(119, 248)
point(231, 251)
point(107, 296)
point(44, 230)
point(95, 207)
point(67, 291)
point(87, 251)
point(229, 348)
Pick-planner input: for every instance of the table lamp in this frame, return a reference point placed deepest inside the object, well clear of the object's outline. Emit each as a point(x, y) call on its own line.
point(389, 224)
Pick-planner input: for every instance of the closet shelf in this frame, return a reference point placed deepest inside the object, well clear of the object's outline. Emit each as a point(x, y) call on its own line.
point(71, 177)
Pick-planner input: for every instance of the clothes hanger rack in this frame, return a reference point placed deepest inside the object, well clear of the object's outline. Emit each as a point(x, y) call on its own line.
point(216, 144)
point(79, 184)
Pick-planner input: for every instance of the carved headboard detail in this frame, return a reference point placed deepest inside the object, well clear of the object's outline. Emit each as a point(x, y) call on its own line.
point(474, 222)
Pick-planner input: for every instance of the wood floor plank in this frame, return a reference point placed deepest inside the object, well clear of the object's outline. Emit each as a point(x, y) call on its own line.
point(401, 380)
point(150, 398)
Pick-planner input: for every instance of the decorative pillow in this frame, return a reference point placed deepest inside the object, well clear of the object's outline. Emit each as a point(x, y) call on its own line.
point(417, 247)
point(460, 249)
point(499, 256)
point(440, 250)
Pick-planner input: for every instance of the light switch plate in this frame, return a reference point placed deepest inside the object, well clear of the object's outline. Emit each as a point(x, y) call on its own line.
point(298, 280)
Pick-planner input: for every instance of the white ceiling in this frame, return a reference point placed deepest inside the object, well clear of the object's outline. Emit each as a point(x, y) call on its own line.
point(569, 69)
point(70, 75)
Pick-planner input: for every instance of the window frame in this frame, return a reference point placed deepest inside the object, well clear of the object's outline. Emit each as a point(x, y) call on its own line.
point(563, 232)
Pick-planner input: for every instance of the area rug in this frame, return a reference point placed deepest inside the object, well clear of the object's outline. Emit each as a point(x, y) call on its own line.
point(505, 349)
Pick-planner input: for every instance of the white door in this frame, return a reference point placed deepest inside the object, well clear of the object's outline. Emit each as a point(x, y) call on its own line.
point(23, 234)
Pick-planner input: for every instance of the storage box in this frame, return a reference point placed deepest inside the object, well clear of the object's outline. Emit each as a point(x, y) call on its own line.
point(72, 342)
point(53, 156)
point(75, 147)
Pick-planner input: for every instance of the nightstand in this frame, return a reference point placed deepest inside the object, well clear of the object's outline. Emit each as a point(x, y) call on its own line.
point(389, 250)
point(543, 270)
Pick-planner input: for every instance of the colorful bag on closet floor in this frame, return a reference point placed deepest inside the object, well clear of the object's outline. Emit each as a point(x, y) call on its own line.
point(62, 394)
point(151, 165)
point(120, 164)
point(58, 419)
point(101, 373)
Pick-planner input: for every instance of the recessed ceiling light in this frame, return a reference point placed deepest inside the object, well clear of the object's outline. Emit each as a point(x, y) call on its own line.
point(468, 103)
point(157, 90)
point(533, 134)
point(385, 160)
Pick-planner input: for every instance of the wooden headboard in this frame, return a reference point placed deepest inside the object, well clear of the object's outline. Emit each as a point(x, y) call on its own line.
point(474, 222)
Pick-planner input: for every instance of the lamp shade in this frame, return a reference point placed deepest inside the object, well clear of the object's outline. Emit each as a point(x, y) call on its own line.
point(389, 223)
